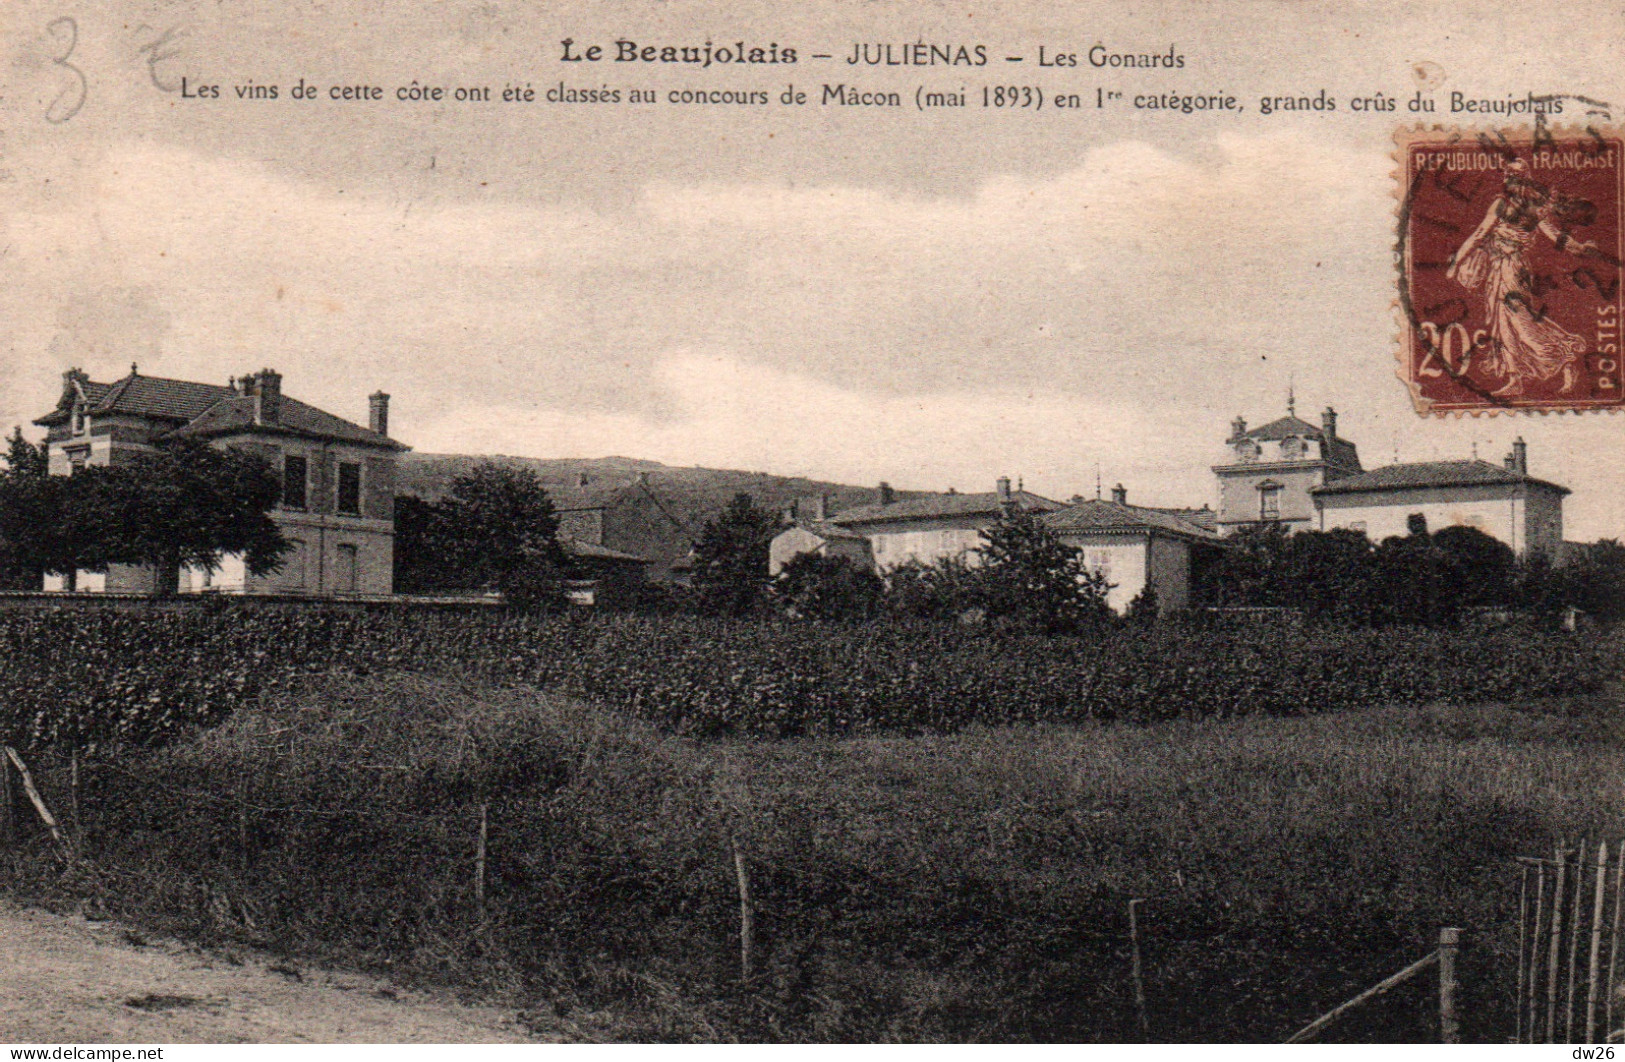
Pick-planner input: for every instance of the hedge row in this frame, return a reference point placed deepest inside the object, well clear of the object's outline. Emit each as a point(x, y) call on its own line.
point(82, 676)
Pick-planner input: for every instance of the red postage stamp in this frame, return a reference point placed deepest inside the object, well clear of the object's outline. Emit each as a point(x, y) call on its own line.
point(1510, 270)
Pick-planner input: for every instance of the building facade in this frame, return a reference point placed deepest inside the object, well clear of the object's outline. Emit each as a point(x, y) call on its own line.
point(1270, 471)
point(338, 478)
point(935, 527)
point(1134, 548)
point(1503, 501)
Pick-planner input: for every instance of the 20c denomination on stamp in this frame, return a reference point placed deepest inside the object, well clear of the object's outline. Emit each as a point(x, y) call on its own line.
point(1510, 269)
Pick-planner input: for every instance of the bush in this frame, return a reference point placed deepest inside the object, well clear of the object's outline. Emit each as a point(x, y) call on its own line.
point(88, 675)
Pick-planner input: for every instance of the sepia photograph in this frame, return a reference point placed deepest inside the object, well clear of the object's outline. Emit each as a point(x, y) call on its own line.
point(680, 522)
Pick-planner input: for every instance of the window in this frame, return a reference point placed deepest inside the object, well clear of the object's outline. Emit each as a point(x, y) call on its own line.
point(78, 418)
point(346, 574)
point(1357, 525)
point(1269, 503)
point(349, 488)
point(295, 477)
point(76, 461)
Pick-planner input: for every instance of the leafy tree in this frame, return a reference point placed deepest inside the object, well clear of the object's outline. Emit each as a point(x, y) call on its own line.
point(1593, 579)
point(36, 533)
point(730, 571)
point(23, 458)
point(1247, 574)
point(947, 589)
point(1033, 580)
point(184, 503)
point(824, 587)
point(1327, 574)
point(494, 530)
point(1481, 569)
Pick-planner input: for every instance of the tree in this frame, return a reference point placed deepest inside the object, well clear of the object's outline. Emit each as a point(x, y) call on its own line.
point(1482, 570)
point(947, 589)
point(494, 530)
point(36, 534)
point(23, 458)
point(817, 586)
point(730, 571)
point(1327, 574)
point(1033, 580)
point(185, 503)
point(1593, 579)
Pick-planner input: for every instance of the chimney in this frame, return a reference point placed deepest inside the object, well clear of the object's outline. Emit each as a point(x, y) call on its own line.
point(1518, 459)
point(821, 508)
point(1328, 422)
point(1120, 494)
point(378, 412)
point(1238, 428)
point(1004, 488)
point(887, 495)
point(268, 397)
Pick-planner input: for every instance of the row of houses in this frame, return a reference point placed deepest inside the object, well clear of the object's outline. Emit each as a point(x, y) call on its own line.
point(340, 479)
point(1288, 473)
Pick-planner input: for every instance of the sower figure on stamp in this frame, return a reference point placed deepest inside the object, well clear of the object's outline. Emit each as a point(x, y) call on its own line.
point(1525, 344)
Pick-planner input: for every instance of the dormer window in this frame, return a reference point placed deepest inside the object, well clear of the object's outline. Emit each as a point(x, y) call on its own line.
point(78, 418)
point(1292, 448)
point(1247, 450)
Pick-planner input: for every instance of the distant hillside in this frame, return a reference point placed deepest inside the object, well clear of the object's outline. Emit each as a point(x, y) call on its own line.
point(649, 509)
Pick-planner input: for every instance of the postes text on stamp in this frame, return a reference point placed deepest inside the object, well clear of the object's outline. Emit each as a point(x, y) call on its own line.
point(1510, 270)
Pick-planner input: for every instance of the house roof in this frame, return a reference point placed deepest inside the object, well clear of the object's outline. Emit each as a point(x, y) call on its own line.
point(940, 506)
point(1337, 450)
point(208, 409)
point(1284, 428)
point(235, 414)
point(829, 531)
point(594, 552)
point(1109, 516)
point(1425, 474)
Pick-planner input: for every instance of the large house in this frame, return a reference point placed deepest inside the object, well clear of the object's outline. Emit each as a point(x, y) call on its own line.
point(338, 495)
point(1503, 501)
point(1271, 471)
point(1132, 547)
point(1294, 475)
point(1135, 548)
point(933, 527)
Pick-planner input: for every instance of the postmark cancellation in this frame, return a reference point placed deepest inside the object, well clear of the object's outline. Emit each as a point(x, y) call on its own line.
point(1509, 254)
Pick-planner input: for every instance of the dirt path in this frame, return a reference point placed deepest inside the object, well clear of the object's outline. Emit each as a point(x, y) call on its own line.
point(66, 980)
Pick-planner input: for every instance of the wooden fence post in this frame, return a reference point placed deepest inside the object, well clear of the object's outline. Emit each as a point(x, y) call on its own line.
point(479, 860)
point(1574, 939)
point(1449, 1023)
point(1556, 951)
point(1594, 963)
point(38, 801)
point(10, 823)
point(747, 912)
point(1138, 971)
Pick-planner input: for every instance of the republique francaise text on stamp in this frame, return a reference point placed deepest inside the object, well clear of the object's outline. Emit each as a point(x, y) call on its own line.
point(1510, 269)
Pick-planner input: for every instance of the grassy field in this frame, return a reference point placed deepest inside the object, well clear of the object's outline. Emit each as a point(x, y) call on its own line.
point(961, 887)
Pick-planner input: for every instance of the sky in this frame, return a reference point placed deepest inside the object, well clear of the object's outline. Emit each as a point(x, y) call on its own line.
point(851, 294)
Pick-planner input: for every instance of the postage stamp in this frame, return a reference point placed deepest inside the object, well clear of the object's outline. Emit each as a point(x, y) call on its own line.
point(1510, 269)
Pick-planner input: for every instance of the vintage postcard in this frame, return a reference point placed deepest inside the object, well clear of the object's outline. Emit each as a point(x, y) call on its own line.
point(682, 521)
